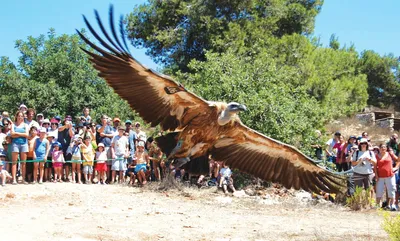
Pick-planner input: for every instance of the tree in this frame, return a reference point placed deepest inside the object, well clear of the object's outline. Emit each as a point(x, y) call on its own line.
point(383, 86)
point(175, 31)
point(55, 77)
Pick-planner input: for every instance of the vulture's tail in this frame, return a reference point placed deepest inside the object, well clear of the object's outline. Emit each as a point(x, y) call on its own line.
point(167, 142)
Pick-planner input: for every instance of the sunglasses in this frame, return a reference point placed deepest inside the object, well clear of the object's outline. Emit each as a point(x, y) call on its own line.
point(363, 143)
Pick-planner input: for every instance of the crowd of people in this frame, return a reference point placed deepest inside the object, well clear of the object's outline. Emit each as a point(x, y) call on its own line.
point(372, 167)
point(35, 149)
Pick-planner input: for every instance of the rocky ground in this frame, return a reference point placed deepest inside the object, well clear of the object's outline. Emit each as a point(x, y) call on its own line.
point(66, 211)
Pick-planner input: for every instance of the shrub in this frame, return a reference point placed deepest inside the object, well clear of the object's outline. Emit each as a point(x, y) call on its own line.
point(361, 199)
point(391, 224)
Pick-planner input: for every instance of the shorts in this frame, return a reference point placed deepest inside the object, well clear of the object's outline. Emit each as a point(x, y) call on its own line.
point(140, 167)
point(362, 180)
point(76, 159)
point(130, 170)
point(40, 159)
point(87, 169)
point(101, 167)
point(48, 163)
point(119, 164)
point(19, 147)
point(57, 164)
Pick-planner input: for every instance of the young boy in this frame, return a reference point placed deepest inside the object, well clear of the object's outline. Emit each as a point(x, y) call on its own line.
point(119, 152)
point(88, 158)
point(4, 175)
point(226, 180)
point(142, 160)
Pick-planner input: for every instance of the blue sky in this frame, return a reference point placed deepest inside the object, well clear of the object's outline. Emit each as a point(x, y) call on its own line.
point(368, 24)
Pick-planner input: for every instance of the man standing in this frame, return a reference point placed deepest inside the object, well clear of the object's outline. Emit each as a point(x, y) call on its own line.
point(29, 119)
point(330, 155)
point(105, 134)
point(131, 140)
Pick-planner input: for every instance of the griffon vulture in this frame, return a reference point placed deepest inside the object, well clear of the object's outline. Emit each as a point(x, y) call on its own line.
point(199, 127)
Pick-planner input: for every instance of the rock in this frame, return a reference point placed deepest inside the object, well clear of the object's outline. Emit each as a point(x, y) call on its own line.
point(250, 192)
point(240, 193)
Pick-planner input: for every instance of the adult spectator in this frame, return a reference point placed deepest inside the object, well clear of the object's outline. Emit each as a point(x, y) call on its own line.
point(384, 175)
point(119, 150)
point(393, 144)
point(131, 139)
point(23, 108)
point(104, 135)
point(53, 128)
point(86, 112)
point(116, 122)
point(317, 145)
point(363, 161)
point(19, 134)
point(2, 136)
point(6, 125)
point(330, 155)
point(30, 113)
point(141, 135)
point(340, 157)
point(46, 125)
point(65, 133)
point(40, 118)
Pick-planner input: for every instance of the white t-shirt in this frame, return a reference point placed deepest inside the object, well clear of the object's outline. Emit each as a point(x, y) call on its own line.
point(330, 144)
point(32, 123)
point(364, 167)
point(120, 145)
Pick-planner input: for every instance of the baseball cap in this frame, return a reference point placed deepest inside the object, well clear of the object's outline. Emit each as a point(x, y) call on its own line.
point(128, 122)
point(46, 121)
point(337, 133)
point(100, 145)
point(40, 114)
point(42, 130)
point(363, 140)
point(116, 119)
point(23, 106)
point(53, 120)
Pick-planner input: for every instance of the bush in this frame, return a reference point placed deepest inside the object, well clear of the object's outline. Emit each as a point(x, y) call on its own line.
point(361, 199)
point(391, 224)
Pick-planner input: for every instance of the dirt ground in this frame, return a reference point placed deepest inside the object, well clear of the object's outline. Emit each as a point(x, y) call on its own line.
point(66, 211)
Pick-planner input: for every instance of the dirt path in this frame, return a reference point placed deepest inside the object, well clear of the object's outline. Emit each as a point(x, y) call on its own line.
point(94, 212)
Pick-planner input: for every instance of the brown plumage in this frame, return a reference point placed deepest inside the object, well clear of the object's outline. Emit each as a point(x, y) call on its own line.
point(201, 127)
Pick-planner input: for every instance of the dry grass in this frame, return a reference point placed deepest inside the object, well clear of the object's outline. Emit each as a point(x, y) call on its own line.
point(353, 126)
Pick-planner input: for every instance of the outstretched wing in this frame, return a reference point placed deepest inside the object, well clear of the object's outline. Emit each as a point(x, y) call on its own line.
point(156, 97)
point(271, 160)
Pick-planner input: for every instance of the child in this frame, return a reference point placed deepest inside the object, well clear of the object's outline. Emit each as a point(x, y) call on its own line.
point(142, 160)
point(131, 172)
point(101, 167)
point(119, 152)
point(225, 178)
point(75, 150)
point(4, 175)
point(58, 161)
point(88, 158)
point(41, 150)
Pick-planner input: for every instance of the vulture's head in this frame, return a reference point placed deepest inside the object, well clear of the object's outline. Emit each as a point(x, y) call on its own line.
point(234, 108)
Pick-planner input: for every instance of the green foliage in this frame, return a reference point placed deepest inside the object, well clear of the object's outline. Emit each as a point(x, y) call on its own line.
point(55, 77)
point(361, 199)
point(175, 32)
point(391, 224)
point(383, 85)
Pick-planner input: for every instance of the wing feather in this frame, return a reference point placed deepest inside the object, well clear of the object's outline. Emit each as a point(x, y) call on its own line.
point(271, 160)
point(141, 87)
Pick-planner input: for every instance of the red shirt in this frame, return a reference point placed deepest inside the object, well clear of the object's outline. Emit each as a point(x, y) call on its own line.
point(340, 158)
point(384, 165)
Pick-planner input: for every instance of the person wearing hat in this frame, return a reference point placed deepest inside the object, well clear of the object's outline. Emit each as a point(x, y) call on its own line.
point(119, 152)
point(41, 151)
point(57, 160)
point(65, 133)
point(330, 154)
point(40, 118)
point(101, 165)
point(116, 122)
point(4, 175)
point(74, 150)
point(48, 166)
point(46, 124)
point(363, 161)
point(23, 108)
point(104, 135)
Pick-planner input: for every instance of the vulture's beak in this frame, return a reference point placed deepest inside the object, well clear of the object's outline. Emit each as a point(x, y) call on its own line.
point(242, 108)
